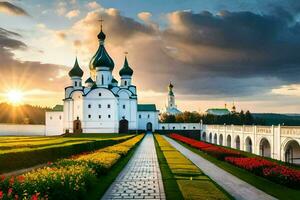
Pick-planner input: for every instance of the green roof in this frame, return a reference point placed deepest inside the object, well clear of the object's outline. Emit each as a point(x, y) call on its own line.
point(218, 111)
point(58, 108)
point(146, 107)
point(76, 70)
point(126, 70)
point(101, 58)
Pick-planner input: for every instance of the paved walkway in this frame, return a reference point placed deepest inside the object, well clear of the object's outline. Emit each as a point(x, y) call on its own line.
point(238, 188)
point(141, 177)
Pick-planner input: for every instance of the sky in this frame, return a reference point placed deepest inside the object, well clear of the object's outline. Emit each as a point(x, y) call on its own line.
point(214, 52)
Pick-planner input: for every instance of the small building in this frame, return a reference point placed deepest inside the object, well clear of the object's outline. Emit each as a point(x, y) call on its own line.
point(218, 111)
point(171, 107)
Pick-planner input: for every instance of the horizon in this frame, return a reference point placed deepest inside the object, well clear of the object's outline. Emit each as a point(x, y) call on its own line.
point(206, 54)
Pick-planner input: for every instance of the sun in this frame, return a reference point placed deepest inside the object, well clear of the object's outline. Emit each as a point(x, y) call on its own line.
point(15, 97)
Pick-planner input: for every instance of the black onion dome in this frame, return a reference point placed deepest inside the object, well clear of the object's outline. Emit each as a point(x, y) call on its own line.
point(89, 80)
point(101, 58)
point(76, 70)
point(126, 70)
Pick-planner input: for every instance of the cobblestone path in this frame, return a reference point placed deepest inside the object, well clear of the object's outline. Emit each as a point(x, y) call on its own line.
point(141, 177)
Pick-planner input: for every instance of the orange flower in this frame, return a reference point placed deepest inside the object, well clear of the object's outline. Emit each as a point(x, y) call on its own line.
point(21, 178)
point(11, 180)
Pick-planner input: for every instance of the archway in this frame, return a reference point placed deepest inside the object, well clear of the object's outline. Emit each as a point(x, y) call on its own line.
point(210, 137)
point(123, 126)
point(149, 126)
point(248, 143)
point(77, 126)
point(292, 152)
point(221, 139)
point(237, 143)
point(228, 140)
point(265, 148)
point(215, 139)
point(203, 136)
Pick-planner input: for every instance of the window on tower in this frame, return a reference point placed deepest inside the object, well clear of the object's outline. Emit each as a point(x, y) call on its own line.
point(109, 116)
point(100, 94)
point(124, 106)
point(108, 105)
point(75, 83)
point(140, 116)
point(99, 105)
point(125, 83)
point(89, 116)
point(99, 116)
point(89, 106)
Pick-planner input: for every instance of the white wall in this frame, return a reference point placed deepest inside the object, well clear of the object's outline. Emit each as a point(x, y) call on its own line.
point(54, 123)
point(145, 117)
point(22, 129)
point(178, 126)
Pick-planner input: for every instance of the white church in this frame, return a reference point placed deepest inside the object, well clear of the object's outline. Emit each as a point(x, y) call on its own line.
point(101, 104)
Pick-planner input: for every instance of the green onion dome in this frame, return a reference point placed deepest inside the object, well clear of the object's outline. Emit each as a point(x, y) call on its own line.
point(114, 80)
point(126, 70)
point(101, 58)
point(89, 80)
point(76, 70)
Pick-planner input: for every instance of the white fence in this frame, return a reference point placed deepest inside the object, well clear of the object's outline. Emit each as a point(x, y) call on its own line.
point(22, 129)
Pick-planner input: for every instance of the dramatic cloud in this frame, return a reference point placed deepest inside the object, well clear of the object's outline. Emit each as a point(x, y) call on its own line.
point(26, 75)
point(73, 13)
point(11, 9)
point(225, 54)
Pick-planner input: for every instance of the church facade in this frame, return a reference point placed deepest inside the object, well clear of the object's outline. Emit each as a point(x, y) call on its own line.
point(101, 104)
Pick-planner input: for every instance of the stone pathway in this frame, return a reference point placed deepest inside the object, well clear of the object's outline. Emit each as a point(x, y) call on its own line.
point(238, 188)
point(141, 177)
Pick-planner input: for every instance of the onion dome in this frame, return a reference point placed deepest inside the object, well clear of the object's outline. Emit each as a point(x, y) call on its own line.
point(76, 70)
point(171, 89)
point(126, 70)
point(114, 80)
point(101, 58)
point(89, 80)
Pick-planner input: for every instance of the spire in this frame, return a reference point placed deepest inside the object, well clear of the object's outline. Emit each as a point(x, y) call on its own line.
point(170, 87)
point(126, 69)
point(76, 70)
point(101, 58)
point(101, 36)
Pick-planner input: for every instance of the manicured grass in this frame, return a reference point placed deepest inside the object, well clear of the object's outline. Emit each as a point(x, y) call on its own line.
point(171, 188)
point(22, 152)
point(192, 182)
point(276, 190)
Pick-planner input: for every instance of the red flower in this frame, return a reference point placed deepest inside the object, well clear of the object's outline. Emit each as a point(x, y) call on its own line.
point(10, 190)
point(12, 180)
point(21, 178)
point(1, 194)
point(34, 197)
point(2, 178)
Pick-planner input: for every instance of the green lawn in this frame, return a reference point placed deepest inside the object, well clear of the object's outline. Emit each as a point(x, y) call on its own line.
point(23, 152)
point(180, 175)
point(276, 190)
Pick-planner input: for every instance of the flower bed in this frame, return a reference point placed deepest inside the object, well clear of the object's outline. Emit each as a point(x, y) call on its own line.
point(66, 179)
point(257, 165)
point(216, 151)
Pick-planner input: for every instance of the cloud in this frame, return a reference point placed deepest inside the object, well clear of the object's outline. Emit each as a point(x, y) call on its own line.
point(73, 13)
point(145, 16)
point(93, 5)
point(61, 8)
point(27, 75)
point(11, 9)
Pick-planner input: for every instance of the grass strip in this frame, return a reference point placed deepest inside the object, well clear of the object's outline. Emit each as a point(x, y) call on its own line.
point(192, 182)
point(171, 188)
point(24, 159)
point(276, 190)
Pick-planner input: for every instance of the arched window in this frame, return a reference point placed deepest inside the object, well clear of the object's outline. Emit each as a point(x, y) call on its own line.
point(125, 83)
point(89, 106)
point(140, 116)
point(75, 83)
point(99, 116)
point(108, 105)
point(163, 128)
point(102, 80)
point(109, 116)
point(124, 106)
point(59, 117)
point(148, 116)
point(100, 94)
point(89, 116)
point(99, 105)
